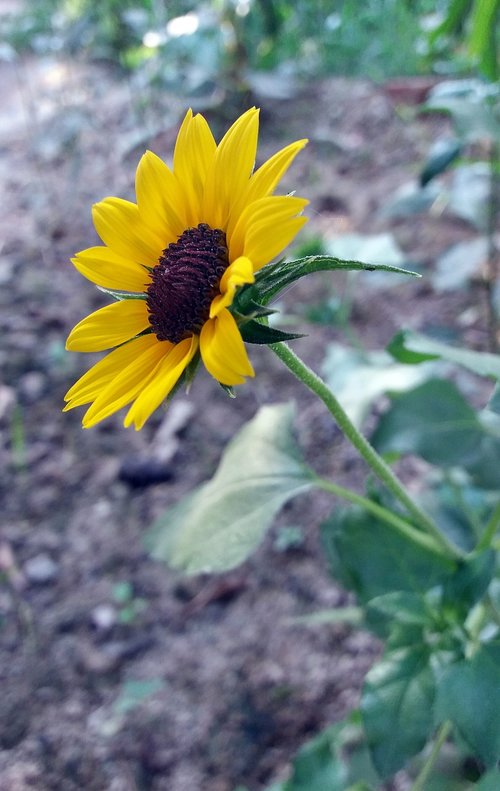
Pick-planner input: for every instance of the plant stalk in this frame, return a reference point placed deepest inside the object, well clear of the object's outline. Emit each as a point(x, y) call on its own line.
point(384, 514)
point(369, 454)
point(442, 735)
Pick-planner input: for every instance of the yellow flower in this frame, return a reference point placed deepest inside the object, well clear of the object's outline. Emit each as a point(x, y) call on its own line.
point(197, 233)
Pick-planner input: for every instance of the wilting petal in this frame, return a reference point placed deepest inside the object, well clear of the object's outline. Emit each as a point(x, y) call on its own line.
point(109, 326)
point(160, 198)
point(91, 384)
point(223, 351)
point(162, 382)
point(124, 387)
point(121, 227)
point(237, 274)
point(107, 269)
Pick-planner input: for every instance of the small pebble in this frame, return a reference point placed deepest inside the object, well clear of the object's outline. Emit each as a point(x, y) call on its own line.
point(103, 617)
point(41, 569)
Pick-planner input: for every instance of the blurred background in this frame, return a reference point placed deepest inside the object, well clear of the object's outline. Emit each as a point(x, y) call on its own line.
point(116, 672)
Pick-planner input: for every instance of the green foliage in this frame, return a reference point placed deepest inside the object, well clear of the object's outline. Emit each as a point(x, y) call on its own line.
point(469, 696)
point(371, 559)
point(412, 348)
point(396, 705)
point(218, 525)
point(433, 421)
point(345, 37)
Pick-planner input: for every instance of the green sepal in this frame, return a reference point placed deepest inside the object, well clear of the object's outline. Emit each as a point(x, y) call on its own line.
point(245, 303)
point(255, 332)
point(273, 278)
point(228, 390)
point(121, 295)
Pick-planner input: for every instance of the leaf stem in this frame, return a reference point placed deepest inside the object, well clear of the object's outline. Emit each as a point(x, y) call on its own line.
point(384, 514)
point(442, 735)
point(369, 454)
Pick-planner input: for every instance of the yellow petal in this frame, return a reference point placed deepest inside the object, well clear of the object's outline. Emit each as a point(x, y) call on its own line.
point(124, 387)
point(262, 249)
point(223, 351)
point(193, 156)
point(162, 382)
point(265, 180)
point(109, 326)
point(160, 198)
point(93, 382)
point(232, 166)
point(261, 226)
point(122, 228)
point(238, 273)
point(105, 268)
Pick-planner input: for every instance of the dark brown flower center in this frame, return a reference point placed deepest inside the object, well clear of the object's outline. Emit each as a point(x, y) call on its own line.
point(185, 281)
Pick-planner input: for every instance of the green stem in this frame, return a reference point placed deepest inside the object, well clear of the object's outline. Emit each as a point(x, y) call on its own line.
point(389, 517)
point(369, 454)
point(490, 529)
point(442, 735)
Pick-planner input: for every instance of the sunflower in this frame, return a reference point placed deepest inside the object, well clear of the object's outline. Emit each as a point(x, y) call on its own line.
point(174, 260)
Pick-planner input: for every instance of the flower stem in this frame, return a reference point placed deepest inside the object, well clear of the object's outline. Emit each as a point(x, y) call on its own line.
point(369, 454)
point(384, 514)
point(441, 737)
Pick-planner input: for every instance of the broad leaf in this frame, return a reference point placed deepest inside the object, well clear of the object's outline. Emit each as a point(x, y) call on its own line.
point(470, 581)
point(218, 525)
point(412, 347)
point(459, 264)
point(317, 767)
point(335, 760)
point(469, 696)
point(358, 380)
point(372, 559)
point(397, 607)
point(396, 705)
point(433, 421)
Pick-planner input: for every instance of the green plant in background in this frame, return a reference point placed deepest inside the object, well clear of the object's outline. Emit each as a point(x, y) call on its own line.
point(189, 46)
point(424, 568)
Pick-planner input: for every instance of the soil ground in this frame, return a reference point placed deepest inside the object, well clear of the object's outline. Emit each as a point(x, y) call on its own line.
point(84, 610)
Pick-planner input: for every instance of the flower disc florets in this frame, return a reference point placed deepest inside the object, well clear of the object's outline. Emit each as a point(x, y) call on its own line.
point(185, 281)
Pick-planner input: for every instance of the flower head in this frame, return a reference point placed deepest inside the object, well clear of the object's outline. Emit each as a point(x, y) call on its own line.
point(174, 260)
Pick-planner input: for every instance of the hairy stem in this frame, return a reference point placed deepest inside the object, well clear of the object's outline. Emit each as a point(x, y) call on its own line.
point(389, 517)
point(369, 454)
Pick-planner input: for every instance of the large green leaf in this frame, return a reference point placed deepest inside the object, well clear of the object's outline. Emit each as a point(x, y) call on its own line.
point(217, 526)
point(372, 559)
point(469, 696)
point(433, 421)
point(359, 379)
point(412, 347)
point(396, 705)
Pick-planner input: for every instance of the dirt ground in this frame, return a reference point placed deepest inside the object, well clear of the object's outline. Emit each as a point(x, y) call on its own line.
point(236, 686)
